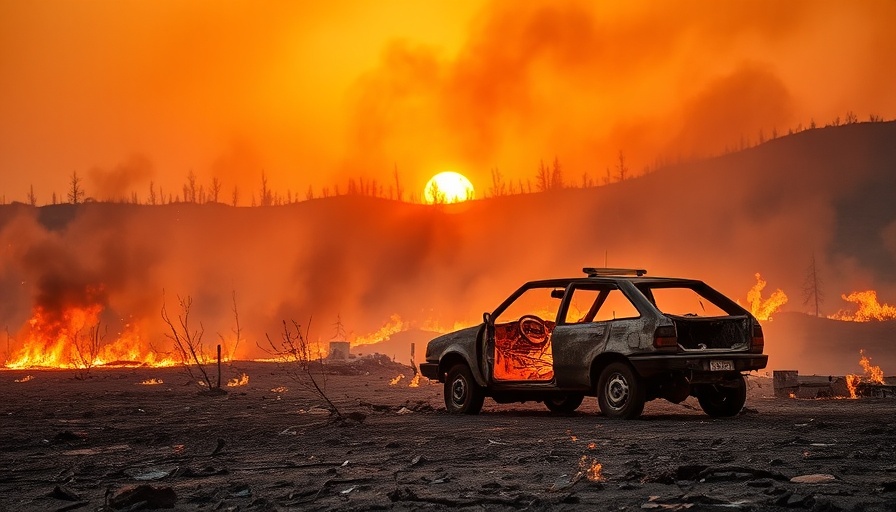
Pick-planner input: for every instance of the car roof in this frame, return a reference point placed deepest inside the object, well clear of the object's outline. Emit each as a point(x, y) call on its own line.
point(566, 281)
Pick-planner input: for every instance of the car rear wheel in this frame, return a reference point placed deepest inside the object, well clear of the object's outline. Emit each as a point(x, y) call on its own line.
point(720, 401)
point(620, 392)
point(462, 394)
point(564, 404)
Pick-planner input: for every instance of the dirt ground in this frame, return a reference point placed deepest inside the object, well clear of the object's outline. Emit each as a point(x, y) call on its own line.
point(88, 444)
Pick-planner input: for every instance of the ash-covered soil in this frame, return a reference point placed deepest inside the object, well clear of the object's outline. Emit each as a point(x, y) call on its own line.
point(70, 444)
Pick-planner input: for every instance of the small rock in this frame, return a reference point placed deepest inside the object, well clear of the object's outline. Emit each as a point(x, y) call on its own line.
point(64, 493)
point(153, 497)
point(818, 478)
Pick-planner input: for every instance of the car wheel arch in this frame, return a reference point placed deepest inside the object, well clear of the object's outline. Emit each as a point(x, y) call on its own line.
point(451, 359)
point(602, 361)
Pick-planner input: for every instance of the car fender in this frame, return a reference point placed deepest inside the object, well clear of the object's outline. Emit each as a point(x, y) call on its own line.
point(459, 346)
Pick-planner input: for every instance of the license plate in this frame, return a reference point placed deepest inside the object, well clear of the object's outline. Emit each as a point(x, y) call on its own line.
point(716, 365)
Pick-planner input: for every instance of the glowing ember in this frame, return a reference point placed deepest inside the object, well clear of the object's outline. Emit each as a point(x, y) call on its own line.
point(26, 378)
point(763, 309)
point(869, 309)
point(592, 446)
point(235, 382)
point(793, 395)
point(152, 382)
point(74, 340)
point(280, 389)
point(415, 382)
point(396, 380)
point(591, 469)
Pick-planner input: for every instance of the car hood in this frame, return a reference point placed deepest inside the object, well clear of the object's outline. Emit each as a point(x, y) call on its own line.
point(464, 337)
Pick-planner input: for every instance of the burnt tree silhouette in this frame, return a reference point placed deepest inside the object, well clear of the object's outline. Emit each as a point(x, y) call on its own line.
point(813, 294)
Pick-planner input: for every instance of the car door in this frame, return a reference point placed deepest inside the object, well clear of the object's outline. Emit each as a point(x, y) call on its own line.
point(594, 318)
point(518, 336)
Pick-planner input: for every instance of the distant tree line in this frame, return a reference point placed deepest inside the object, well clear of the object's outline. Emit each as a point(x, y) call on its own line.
point(547, 177)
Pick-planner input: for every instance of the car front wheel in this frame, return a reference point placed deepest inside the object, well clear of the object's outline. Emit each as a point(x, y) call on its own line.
point(723, 401)
point(462, 394)
point(564, 404)
point(620, 392)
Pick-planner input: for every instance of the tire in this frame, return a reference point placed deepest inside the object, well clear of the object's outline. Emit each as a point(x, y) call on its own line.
point(723, 401)
point(564, 404)
point(462, 394)
point(620, 392)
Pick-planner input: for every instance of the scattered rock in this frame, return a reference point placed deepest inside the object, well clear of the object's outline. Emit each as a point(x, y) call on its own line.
point(148, 473)
point(149, 496)
point(818, 478)
point(219, 447)
point(64, 493)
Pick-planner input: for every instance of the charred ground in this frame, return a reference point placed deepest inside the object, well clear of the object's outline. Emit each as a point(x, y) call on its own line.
point(68, 444)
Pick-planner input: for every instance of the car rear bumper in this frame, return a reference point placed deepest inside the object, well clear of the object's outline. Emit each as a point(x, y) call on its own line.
point(430, 370)
point(650, 365)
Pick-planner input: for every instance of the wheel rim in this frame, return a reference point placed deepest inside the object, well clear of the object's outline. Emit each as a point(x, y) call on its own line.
point(459, 390)
point(617, 391)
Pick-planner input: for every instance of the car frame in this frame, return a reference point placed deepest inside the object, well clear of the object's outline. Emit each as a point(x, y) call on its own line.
point(624, 362)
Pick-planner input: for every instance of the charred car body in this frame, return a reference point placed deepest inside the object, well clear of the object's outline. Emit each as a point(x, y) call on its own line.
point(614, 334)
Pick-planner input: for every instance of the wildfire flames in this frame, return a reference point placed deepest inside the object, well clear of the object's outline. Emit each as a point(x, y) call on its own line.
point(74, 339)
point(393, 326)
point(873, 374)
point(25, 378)
point(152, 382)
point(396, 380)
point(869, 309)
point(763, 309)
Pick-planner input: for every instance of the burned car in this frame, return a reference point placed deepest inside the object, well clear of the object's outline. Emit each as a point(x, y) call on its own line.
point(615, 334)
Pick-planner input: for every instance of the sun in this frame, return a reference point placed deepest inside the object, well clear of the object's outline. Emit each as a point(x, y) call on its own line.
point(447, 187)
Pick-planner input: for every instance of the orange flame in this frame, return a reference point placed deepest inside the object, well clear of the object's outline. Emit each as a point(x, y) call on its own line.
point(152, 382)
point(396, 380)
point(26, 378)
point(72, 342)
point(874, 373)
point(415, 382)
point(392, 326)
point(235, 382)
point(763, 309)
point(869, 309)
point(852, 384)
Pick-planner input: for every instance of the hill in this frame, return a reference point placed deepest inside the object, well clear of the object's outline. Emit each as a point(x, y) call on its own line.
point(826, 192)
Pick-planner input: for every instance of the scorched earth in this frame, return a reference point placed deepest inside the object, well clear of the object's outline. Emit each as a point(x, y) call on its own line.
point(109, 440)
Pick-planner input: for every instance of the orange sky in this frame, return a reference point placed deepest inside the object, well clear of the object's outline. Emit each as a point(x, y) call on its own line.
point(127, 92)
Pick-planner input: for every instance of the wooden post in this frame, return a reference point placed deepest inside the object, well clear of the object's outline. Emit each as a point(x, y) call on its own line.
point(219, 366)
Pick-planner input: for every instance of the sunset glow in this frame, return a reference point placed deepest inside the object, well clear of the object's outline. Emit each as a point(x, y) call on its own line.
point(447, 187)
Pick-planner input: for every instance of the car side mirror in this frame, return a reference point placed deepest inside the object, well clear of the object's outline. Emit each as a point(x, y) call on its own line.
point(487, 318)
point(558, 293)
